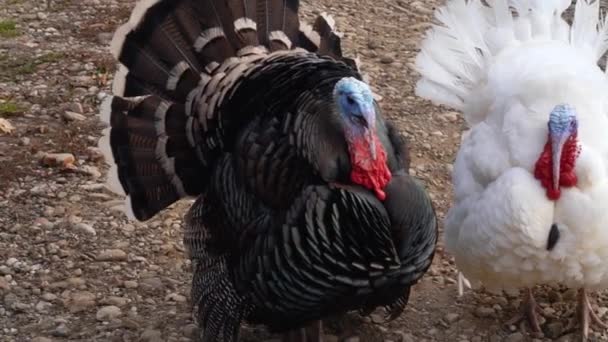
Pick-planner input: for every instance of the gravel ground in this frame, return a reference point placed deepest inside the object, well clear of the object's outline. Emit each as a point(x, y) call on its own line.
point(72, 268)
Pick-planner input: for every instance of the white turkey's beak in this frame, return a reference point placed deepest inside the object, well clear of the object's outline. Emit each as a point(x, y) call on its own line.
point(557, 146)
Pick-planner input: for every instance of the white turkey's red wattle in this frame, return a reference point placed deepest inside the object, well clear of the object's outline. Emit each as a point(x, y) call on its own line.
point(368, 164)
point(551, 171)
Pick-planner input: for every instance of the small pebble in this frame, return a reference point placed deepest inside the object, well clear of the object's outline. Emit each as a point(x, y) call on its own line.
point(175, 297)
point(515, 337)
point(484, 312)
point(112, 255)
point(85, 228)
point(151, 335)
point(107, 313)
point(386, 59)
point(64, 160)
point(41, 339)
point(451, 317)
point(61, 331)
point(76, 107)
point(130, 284)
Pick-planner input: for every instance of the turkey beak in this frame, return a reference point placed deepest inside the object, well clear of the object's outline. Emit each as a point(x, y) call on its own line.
point(370, 127)
point(372, 143)
point(557, 146)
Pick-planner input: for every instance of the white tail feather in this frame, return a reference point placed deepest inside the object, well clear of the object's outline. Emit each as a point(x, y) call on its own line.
point(601, 42)
point(120, 80)
point(456, 54)
point(104, 146)
point(106, 109)
point(128, 210)
point(112, 181)
point(119, 39)
point(589, 29)
point(584, 23)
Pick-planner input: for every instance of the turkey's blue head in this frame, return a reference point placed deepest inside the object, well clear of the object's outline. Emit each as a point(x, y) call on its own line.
point(356, 107)
point(555, 167)
point(355, 103)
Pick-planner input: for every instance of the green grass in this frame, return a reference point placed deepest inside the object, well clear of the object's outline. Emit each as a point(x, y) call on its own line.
point(8, 29)
point(26, 68)
point(11, 67)
point(50, 58)
point(9, 108)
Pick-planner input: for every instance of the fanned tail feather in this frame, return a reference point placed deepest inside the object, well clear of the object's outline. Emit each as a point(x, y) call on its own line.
point(178, 59)
point(589, 28)
point(456, 54)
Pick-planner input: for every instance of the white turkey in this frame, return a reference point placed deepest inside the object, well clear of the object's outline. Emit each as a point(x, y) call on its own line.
point(530, 178)
point(304, 207)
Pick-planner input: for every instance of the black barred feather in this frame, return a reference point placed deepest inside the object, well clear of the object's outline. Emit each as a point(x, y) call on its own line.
point(231, 101)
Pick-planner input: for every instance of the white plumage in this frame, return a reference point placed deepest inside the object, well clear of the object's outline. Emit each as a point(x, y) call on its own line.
point(506, 73)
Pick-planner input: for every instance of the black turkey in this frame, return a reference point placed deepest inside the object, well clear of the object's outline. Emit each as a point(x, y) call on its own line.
point(305, 207)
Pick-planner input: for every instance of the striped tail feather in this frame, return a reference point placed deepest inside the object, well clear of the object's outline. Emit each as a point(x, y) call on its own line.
point(155, 162)
point(177, 60)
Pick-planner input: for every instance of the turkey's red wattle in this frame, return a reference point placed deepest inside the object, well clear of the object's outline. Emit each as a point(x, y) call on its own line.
point(365, 171)
point(543, 170)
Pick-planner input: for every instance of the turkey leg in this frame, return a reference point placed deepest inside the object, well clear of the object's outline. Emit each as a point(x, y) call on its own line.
point(529, 312)
point(462, 282)
point(314, 332)
point(297, 335)
point(587, 315)
point(310, 333)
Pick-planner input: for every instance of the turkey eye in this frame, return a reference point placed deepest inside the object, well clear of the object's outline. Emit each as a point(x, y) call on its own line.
point(350, 100)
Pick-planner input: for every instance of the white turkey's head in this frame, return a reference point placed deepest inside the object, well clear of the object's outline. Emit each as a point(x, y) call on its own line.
point(562, 122)
point(356, 107)
point(555, 166)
